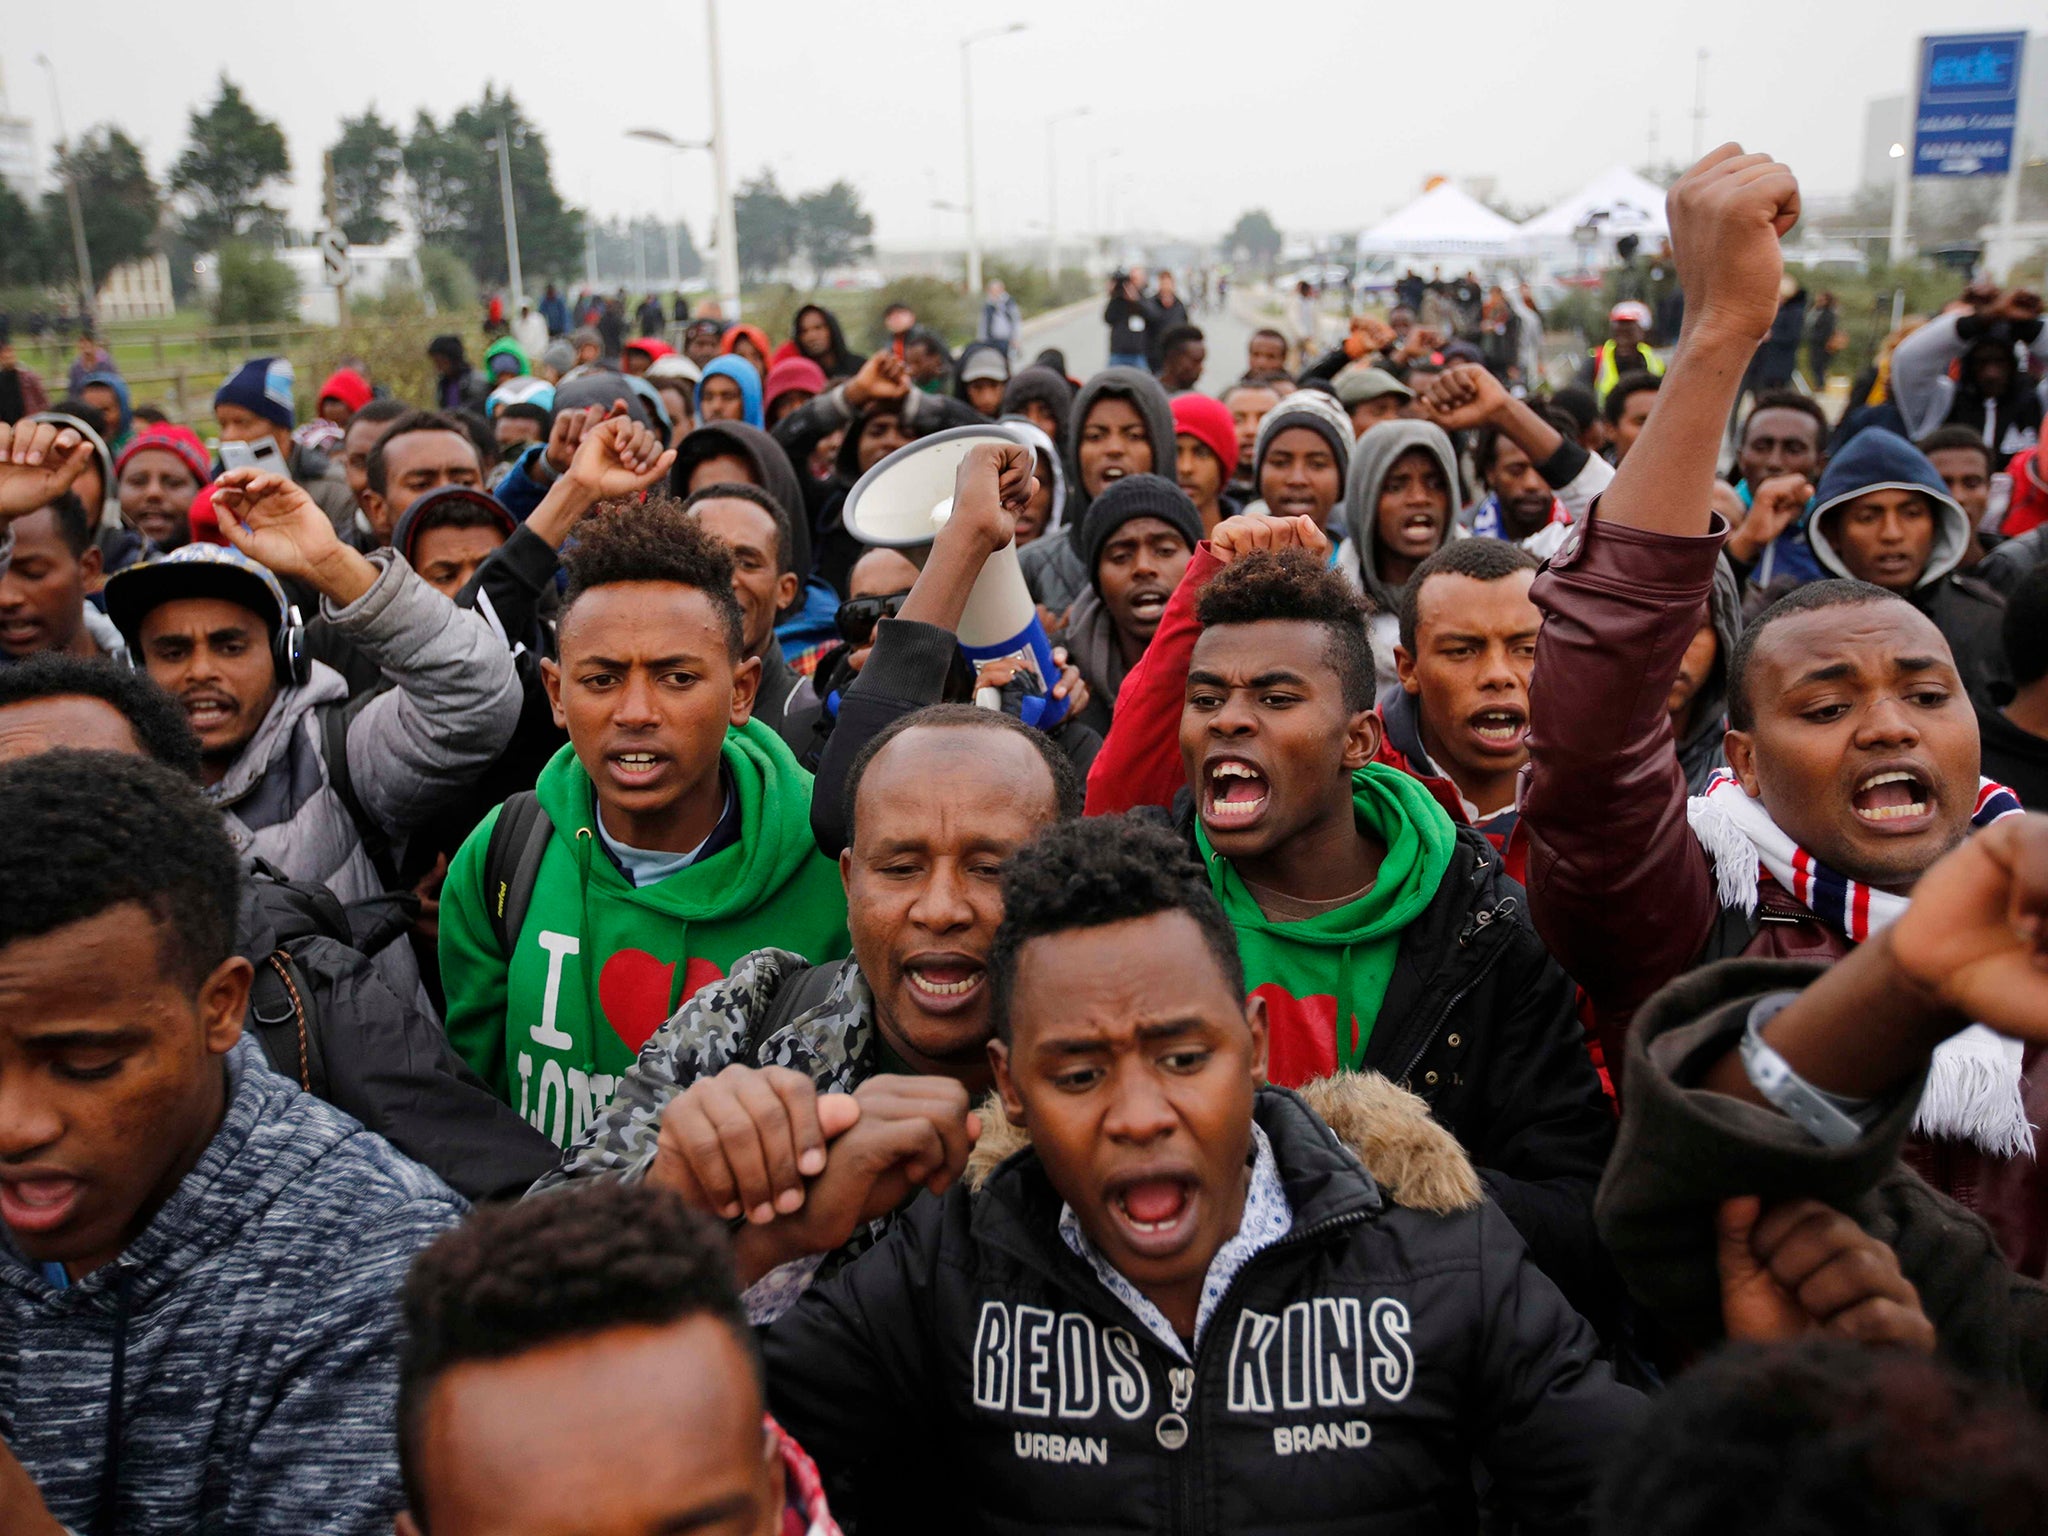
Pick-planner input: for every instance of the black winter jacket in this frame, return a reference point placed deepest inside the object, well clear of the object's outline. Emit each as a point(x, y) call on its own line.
point(972, 1373)
point(1483, 1025)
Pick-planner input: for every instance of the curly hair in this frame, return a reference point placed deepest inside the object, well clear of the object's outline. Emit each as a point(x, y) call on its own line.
point(160, 726)
point(1293, 585)
point(1828, 1435)
point(1815, 595)
point(90, 831)
point(1068, 789)
point(1102, 870)
point(564, 1265)
point(1480, 559)
point(654, 540)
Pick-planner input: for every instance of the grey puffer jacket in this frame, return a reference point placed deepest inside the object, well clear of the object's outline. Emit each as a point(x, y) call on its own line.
point(411, 750)
point(252, 1326)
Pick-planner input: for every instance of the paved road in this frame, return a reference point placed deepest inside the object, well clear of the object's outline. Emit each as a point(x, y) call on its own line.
point(1085, 340)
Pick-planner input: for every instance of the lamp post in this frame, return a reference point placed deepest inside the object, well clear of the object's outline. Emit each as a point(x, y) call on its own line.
point(680, 146)
point(1052, 190)
point(502, 143)
point(1902, 192)
point(967, 124)
point(87, 289)
point(721, 180)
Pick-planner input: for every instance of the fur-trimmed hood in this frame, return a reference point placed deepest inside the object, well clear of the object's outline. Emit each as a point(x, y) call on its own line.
point(1414, 1160)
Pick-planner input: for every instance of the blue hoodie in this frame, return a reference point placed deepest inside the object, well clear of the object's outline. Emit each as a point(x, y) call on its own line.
point(118, 438)
point(252, 1327)
point(742, 373)
point(1877, 460)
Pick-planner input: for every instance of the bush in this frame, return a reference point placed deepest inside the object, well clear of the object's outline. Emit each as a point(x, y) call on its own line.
point(255, 287)
point(392, 354)
point(450, 283)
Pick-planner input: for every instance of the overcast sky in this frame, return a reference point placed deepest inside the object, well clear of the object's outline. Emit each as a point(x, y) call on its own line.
point(1326, 112)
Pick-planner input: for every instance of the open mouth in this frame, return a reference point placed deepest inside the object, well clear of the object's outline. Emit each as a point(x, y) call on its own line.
point(1156, 1215)
point(1891, 798)
point(1113, 472)
point(1148, 604)
point(944, 983)
point(20, 632)
point(632, 769)
point(1500, 730)
point(1237, 793)
point(205, 713)
point(38, 1205)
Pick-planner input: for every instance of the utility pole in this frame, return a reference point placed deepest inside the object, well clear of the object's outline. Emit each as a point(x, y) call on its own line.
point(967, 138)
point(334, 223)
point(503, 142)
point(728, 225)
point(88, 290)
point(1052, 191)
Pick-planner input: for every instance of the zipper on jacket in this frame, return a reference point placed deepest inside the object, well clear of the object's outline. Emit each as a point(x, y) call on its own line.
point(1480, 921)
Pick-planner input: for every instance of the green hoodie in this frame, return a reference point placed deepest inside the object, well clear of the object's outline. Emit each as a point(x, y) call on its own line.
point(600, 965)
point(1301, 969)
point(506, 346)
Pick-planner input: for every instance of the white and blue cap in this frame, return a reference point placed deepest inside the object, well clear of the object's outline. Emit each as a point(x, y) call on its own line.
point(262, 385)
point(194, 570)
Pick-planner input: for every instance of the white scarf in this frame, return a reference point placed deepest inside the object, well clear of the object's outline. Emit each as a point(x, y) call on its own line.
point(1973, 1084)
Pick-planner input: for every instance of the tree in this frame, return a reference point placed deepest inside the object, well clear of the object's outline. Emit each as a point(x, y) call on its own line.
point(254, 286)
point(1253, 238)
point(24, 254)
point(456, 199)
point(234, 153)
point(117, 201)
point(366, 159)
point(767, 226)
point(832, 227)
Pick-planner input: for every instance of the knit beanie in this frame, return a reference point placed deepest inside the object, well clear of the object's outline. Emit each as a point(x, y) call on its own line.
point(180, 442)
point(791, 373)
point(263, 387)
point(1209, 422)
point(347, 386)
point(1132, 497)
point(1315, 410)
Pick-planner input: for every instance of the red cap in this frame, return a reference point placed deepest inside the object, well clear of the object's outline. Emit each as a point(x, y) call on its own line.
point(792, 373)
point(654, 349)
point(1209, 422)
point(753, 333)
point(166, 438)
point(205, 521)
point(347, 386)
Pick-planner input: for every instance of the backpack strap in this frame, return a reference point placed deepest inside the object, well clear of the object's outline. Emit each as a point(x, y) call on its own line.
point(279, 1009)
point(335, 719)
point(512, 858)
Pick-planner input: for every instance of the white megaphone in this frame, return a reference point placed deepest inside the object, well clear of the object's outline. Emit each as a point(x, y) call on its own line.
point(905, 499)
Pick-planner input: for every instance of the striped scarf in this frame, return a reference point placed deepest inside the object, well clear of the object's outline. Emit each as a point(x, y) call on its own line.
point(1486, 520)
point(1973, 1085)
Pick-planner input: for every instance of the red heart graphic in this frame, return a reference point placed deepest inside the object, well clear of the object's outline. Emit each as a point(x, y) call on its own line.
point(633, 990)
point(1301, 1035)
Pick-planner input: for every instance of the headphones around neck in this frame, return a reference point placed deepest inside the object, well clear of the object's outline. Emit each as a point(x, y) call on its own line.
point(288, 651)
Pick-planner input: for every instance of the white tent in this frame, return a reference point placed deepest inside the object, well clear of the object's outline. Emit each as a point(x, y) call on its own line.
point(1614, 203)
point(1441, 222)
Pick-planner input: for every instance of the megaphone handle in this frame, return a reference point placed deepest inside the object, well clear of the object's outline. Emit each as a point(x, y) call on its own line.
point(989, 698)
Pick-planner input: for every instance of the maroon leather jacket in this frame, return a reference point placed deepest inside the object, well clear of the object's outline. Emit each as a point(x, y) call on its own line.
point(1619, 888)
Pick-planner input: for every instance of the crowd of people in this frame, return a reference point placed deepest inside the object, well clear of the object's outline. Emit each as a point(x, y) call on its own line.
point(541, 990)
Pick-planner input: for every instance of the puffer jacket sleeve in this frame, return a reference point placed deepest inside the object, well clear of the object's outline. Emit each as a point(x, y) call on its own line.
point(1549, 1413)
point(701, 1039)
point(416, 747)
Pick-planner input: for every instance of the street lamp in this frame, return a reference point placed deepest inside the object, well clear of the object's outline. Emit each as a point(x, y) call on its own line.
point(680, 146)
point(502, 143)
point(721, 181)
point(1052, 191)
point(87, 289)
point(1902, 191)
point(967, 120)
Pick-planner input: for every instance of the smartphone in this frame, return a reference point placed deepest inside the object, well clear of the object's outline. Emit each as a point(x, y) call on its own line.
point(261, 454)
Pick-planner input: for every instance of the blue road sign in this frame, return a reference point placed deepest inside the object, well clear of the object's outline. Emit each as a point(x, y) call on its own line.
point(1967, 113)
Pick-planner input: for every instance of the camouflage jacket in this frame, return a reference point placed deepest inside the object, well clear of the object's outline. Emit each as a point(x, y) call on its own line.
point(733, 1020)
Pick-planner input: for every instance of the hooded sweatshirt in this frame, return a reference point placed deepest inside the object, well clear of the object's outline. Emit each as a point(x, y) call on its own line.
point(1056, 570)
point(1358, 557)
point(1330, 972)
point(1048, 387)
point(1968, 613)
point(505, 346)
point(742, 373)
point(841, 362)
point(600, 964)
point(234, 1371)
point(126, 422)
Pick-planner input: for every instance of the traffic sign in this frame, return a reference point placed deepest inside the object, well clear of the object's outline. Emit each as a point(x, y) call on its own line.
point(334, 256)
point(1967, 114)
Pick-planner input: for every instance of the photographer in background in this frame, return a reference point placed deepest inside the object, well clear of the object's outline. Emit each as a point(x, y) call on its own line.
point(1127, 319)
